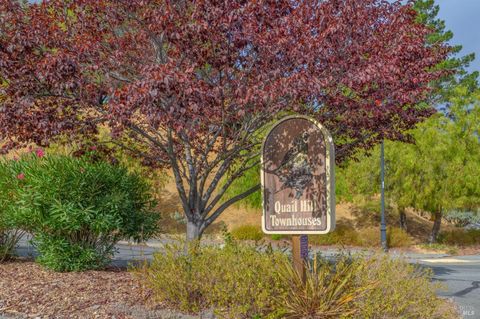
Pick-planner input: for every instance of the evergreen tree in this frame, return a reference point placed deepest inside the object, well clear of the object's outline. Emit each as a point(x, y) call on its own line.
point(437, 173)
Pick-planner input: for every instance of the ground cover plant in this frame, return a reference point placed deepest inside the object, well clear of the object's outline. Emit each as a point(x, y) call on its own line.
point(76, 209)
point(402, 290)
point(239, 281)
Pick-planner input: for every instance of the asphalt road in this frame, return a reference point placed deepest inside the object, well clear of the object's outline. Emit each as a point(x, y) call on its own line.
point(461, 275)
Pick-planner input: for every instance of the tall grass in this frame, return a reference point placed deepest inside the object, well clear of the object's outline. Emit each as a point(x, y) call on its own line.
point(244, 282)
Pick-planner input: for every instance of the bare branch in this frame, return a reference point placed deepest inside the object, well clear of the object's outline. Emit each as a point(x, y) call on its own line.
point(228, 183)
point(229, 202)
point(178, 178)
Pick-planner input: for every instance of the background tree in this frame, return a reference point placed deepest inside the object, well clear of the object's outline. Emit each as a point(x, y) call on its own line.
point(428, 14)
point(436, 174)
point(192, 84)
point(440, 97)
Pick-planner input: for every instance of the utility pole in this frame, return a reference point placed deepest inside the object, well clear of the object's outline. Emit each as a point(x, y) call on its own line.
point(383, 226)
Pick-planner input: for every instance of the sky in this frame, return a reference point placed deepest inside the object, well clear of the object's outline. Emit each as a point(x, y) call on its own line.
point(462, 17)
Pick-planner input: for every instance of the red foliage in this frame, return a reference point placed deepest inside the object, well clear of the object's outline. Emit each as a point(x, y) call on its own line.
point(191, 65)
point(196, 77)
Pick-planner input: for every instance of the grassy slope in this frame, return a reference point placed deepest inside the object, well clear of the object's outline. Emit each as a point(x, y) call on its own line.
point(366, 216)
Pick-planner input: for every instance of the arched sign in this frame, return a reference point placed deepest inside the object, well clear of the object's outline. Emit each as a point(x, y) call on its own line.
point(298, 181)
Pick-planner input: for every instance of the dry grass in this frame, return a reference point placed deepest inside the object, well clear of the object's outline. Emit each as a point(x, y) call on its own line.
point(247, 232)
point(357, 225)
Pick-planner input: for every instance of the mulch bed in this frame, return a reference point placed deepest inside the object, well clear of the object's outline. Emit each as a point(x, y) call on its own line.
point(29, 291)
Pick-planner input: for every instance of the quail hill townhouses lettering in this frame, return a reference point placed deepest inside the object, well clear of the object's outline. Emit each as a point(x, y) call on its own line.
point(304, 205)
point(296, 206)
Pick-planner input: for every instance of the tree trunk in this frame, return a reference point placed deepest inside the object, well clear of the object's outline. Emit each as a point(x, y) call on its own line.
point(194, 231)
point(437, 221)
point(403, 219)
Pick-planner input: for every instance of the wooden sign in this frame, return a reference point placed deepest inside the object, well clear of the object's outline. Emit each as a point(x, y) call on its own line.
point(298, 163)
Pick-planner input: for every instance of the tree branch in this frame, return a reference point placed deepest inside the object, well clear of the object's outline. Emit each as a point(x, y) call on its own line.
point(229, 202)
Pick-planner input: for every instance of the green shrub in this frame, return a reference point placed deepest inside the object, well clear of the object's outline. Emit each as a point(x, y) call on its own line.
point(77, 209)
point(9, 232)
point(242, 282)
point(247, 232)
point(330, 290)
point(61, 254)
point(460, 237)
point(237, 281)
point(402, 290)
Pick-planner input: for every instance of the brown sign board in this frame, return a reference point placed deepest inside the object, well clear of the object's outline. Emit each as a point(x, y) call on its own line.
point(298, 181)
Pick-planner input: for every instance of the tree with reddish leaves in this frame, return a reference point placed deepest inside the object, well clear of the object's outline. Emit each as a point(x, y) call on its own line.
point(192, 84)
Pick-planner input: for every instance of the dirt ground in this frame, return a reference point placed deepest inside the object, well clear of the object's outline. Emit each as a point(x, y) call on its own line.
point(29, 291)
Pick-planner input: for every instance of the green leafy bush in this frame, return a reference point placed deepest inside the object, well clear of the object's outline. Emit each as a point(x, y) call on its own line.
point(78, 209)
point(237, 281)
point(247, 232)
point(9, 232)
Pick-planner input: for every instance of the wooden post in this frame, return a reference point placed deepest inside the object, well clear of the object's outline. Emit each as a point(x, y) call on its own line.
point(300, 254)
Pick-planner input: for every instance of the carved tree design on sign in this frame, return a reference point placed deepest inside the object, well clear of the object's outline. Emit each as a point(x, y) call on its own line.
point(295, 160)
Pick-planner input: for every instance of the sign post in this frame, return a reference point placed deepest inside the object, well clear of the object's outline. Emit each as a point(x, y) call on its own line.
point(298, 183)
